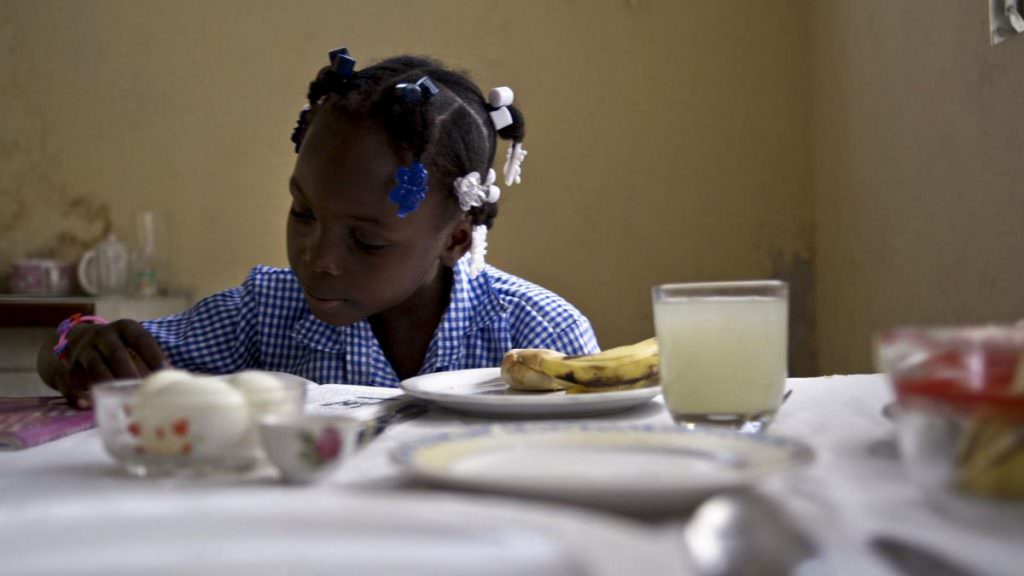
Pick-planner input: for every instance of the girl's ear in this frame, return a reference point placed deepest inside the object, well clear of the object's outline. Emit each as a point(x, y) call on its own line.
point(459, 239)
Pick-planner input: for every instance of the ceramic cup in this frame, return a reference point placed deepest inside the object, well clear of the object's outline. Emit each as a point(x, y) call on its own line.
point(42, 277)
point(308, 447)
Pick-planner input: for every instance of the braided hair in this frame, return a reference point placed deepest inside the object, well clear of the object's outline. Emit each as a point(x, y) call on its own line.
point(450, 133)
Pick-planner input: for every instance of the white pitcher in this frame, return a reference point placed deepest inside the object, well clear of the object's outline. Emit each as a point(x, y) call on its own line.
point(104, 270)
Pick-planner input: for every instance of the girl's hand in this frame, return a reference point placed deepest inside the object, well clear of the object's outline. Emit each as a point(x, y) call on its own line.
point(97, 353)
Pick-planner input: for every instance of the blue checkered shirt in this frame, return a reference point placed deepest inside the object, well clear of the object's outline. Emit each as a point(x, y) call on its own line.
point(266, 324)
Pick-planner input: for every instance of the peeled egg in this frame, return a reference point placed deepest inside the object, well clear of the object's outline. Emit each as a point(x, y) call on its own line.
point(159, 379)
point(199, 416)
point(265, 395)
point(260, 389)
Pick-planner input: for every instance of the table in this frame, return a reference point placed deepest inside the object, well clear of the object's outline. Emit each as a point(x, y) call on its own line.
point(855, 488)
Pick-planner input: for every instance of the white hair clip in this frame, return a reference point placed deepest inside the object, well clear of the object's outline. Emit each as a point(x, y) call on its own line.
point(501, 98)
point(513, 169)
point(477, 250)
point(471, 192)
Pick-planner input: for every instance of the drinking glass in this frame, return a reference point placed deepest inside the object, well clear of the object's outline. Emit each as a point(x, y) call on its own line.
point(722, 351)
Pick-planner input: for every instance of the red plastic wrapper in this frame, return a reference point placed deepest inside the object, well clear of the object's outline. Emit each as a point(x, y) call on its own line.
point(970, 368)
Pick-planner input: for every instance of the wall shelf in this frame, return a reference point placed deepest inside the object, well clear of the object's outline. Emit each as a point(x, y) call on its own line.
point(26, 322)
point(17, 311)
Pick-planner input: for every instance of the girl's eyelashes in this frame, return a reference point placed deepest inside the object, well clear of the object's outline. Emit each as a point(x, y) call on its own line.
point(299, 214)
point(367, 244)
point(360, 240)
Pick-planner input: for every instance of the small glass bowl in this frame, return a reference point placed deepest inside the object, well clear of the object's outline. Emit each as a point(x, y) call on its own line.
point(960, 421)
point(203, 434)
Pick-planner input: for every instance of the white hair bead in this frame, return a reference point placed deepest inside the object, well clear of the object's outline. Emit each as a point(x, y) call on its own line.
point(501, 118)
point(500, 96)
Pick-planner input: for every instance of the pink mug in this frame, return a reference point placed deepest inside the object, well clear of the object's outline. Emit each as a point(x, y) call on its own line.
point(42, 277)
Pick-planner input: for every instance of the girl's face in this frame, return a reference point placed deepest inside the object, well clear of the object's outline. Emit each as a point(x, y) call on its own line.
point(353, 256)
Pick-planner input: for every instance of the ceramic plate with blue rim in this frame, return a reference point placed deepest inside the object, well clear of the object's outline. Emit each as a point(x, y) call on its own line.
point(637, 469)
point(482, 391)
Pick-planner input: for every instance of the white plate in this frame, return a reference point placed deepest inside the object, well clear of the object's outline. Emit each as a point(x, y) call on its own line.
point(252, 532)
point(482, 391)
point(634, 469)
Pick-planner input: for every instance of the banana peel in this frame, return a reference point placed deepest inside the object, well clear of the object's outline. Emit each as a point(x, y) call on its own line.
point(990, 459)
point(620, 368)
point(990, 454)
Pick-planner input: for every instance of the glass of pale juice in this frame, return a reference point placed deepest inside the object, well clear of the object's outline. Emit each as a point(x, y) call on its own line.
point(722, 348)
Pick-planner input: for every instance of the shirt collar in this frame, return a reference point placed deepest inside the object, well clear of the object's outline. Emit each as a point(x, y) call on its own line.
point(483, 303)
point(319, 335)
point(364, 361)
point(473, 305)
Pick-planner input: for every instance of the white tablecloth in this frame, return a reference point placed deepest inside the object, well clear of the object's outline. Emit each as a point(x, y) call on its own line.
point(855, 488)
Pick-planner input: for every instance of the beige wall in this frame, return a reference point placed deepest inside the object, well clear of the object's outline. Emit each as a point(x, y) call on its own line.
point(870, 145)
point(668, 140)
point(918, 139)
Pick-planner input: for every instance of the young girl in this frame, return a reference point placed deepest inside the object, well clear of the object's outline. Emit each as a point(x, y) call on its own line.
point(392, 196)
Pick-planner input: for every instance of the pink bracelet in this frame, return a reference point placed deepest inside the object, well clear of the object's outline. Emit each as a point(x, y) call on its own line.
point(65, 328)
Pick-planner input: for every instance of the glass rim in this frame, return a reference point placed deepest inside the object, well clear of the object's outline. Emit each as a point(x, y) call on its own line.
point(115, 385)
point(762, 288)
point(978, 335)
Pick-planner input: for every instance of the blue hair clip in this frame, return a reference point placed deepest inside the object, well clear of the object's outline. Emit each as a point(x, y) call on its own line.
point(344, 67)
point(411, 188)
point(341, 62)
point(422, 91)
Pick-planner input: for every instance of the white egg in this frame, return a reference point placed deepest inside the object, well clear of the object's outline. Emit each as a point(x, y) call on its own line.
point(161, 378)
point(263, 391)
point(199, 416)
point(265, 395)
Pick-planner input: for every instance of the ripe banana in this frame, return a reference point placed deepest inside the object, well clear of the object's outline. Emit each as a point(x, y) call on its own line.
point(621, 368)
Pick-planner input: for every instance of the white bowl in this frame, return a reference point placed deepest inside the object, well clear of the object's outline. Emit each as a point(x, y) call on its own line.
point(308, 447)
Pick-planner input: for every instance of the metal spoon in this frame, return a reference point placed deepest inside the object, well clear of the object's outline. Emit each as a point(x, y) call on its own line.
point(400, 411)
point(740, 533)
point(916, 560)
